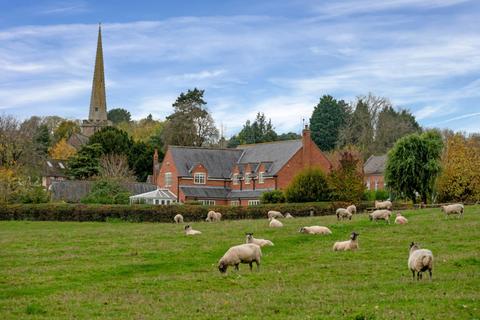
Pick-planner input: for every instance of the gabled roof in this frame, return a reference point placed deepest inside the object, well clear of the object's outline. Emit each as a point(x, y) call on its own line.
point(277, 153)
point(156, 194)
point(218, 162)
point(375, 164)
point(54, 168)
point(77, 140)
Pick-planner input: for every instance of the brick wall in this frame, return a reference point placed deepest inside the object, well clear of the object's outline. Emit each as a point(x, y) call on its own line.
point(370, 181)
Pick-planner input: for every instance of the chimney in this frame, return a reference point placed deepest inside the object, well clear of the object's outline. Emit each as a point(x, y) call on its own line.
point(155, 166)
point(306, 147)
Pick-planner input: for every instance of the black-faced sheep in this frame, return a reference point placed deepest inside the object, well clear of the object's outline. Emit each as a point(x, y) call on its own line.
point(190, 232)
point(351, 244)
point(258, 242)
point(420, 260)
point(343, 214)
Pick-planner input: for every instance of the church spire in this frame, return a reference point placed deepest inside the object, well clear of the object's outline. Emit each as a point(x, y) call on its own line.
point(98, 101)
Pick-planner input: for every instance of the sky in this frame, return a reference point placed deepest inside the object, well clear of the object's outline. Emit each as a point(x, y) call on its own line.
point(276, 57)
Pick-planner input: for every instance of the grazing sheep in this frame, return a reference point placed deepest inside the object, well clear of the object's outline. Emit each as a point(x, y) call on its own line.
point(420, 260)
point(315, 230)
point(380, 215)
point(399, 219)
point(456, 208)
point(244, 253)
point(288, 216)
point(274, 223)
point(383, 204)
point(213, 216)
point(190, 232)
point(343, 214)
point(274, 214)
point(258, 242)
point(178, 218)
point(352, 209)
point(351, 244)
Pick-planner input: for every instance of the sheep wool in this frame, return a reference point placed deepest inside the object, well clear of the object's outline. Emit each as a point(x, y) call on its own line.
point(380, 215)
point(213, 216)
point(258, 242)
point(351, 244)
point(343, 214)
point(288, 216)
point(420, 260)
point(274, 223)
point(178, 218)
point(352, 209)
point(456, 208)
point(190, 232)
point(383, 204)
point(315, 230)
point(274, 214)
point(244, 253)
point(399, 219)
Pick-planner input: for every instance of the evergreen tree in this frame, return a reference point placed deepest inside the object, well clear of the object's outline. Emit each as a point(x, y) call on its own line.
point(42, 140)
point(119, 115)
point(359, 131)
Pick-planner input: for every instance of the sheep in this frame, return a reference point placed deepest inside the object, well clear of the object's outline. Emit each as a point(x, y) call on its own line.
point(456, 208)
point(352, 209)
point(399, 219)
point(258, 242)
point(213, 216)
point(274, 214)
point(190, 232)
point(315, 230)
point(244, 253)
point(178, 218)
point(288, 216)
point(420, 260)
point(380, 215)
point(383, 204)
point(351, 244)
point(274, 223)
point(343, 214)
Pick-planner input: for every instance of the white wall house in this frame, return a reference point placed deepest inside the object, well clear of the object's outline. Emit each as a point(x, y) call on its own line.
point(157, 197)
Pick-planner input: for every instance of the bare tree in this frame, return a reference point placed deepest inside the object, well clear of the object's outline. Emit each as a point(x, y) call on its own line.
point(115, 166)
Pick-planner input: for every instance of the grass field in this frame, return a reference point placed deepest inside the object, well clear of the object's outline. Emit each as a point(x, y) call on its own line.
point(117, 270)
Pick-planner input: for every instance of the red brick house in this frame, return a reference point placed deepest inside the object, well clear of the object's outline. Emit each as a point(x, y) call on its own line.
point(235, 176)
point(374, 169)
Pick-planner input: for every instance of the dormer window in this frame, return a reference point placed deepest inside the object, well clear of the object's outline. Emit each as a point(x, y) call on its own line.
point(235, 180)
point(199, 178)
point(261, 179)
point(49, 164)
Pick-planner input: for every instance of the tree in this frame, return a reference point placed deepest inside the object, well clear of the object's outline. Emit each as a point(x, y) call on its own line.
point(460, 177)
point(85, 163)
point(140, 159)
point(190, 124)
point(107, 191)
point(119, 115)
point(307, 186)
point(413, 165)
point(346, 181)
point(274, 196)
point(257, 131)
point(288, 136)
point(62, 150)
point(359, 130)
point(328, 118)
point(112, 140)
point(115, 166)
point(142, 130)
point(65, 130)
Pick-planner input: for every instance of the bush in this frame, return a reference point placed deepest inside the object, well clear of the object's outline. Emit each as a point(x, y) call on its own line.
point(107, 192)
point(308, 186)
point(274, 196)
point(34, 194)
point(372, 195)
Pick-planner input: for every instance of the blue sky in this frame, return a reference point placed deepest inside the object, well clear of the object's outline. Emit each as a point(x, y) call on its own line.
point(277, 57)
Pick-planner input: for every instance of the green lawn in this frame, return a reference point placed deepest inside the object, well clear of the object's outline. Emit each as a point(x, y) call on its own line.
point(65, 270)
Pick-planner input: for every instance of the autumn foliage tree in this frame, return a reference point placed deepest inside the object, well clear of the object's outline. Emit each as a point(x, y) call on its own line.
point(460, 177)
point(346, 181)
point(62, 150)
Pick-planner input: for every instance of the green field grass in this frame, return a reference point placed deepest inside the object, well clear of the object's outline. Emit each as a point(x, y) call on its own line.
point(117, 270)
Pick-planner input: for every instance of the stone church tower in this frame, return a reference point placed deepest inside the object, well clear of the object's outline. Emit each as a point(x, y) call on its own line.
point(97, 117)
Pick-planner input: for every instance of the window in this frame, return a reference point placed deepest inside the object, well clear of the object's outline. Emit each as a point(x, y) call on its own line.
point(199, 178)
point(61, 165)
point(235, 178)
point(207, 202)
point(157, 201)
point(368, 183)
point(248, 178)
point(376, 183)
point(168, 179)
point(234, 203)
point(260, 177)
point(253, 202)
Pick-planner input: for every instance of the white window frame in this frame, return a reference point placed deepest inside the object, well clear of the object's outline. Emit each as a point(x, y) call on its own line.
point(253, 202)
point(199, 178)
point(248, 178)
point(234, 203)
point(261, 178)
point(368, 183)
point(168, 179)
point(207, 202)
point(235, 179)
point(376, 183)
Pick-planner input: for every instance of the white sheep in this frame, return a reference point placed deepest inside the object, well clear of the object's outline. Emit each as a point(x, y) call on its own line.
point(456, 208)
point(190, 232)
point(213, 216)
point(383, 204)
point(343, 214)
point(352, 209)
point(244, 253)
point(380, 215)
point(178, 218)
point(274, 214)
point(288, 216)
point(351, 244)
point(274, 223)
point(258, 242)
point(315, 230)
point(399, 219)
point(420, 260)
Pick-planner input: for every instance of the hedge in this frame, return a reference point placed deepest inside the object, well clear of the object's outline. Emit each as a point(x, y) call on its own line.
point(150, 213)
